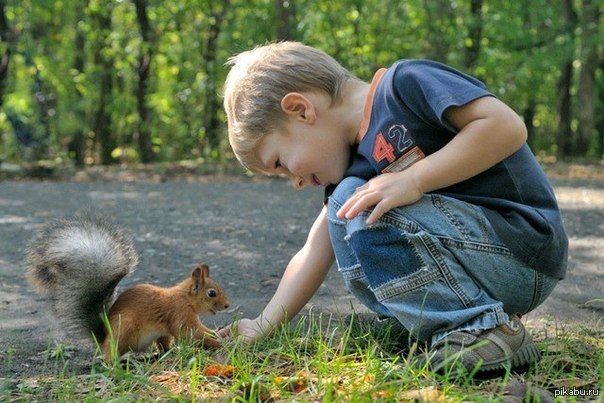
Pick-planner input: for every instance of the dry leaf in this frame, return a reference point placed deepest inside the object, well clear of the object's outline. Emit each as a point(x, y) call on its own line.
point(382, 395)
point(170, 380)
point(263, 393)
point(566, 363)
point(430, 394)
point(219, 370)
point(296, 384)
point(556, 347)
point(521, 392)
point(574, 382)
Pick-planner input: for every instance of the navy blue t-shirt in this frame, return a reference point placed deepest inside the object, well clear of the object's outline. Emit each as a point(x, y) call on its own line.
point(406, 123)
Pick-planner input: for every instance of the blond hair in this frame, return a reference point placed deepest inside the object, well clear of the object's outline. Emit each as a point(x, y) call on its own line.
point(258, 81)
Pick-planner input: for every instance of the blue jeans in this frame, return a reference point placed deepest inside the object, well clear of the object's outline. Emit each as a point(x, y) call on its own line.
point(437, 266)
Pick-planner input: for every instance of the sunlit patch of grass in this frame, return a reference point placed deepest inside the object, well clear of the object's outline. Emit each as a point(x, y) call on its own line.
point(320, 358)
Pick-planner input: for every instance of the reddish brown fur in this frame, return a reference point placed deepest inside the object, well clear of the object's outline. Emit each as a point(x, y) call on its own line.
point(145, 313)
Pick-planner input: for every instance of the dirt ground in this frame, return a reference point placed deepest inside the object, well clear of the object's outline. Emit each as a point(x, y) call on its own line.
point(246, 230)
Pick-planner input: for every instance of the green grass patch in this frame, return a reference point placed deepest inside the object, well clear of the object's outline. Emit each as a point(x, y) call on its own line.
point(322, 358)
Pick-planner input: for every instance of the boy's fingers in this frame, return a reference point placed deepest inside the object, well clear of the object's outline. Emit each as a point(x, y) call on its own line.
point(347, 205)
point(376, 214)
point(349, 210)
point(352, 200)
point(343, 211)
point(224, 331)
point(364, 202)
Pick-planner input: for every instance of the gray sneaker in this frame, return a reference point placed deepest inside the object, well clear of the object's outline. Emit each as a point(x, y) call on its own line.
point(504, 347)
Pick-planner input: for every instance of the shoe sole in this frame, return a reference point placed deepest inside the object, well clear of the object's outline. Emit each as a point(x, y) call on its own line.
point(526, 355)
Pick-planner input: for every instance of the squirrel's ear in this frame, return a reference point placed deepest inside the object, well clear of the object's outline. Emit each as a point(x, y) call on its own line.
point(197, 279)
point(205, 271)
point(199, 275)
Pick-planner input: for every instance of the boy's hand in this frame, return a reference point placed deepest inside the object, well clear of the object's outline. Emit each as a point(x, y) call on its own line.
point(384, 192)
point(246, 329)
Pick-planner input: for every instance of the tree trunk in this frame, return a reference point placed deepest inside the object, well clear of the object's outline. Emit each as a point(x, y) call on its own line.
point(104, 64)
point(285, 12)
point(5, 50)
point(474, 33)
point(440, 16)
point(564, 136)
point(529, 117)
point(600, 114)
point(212, 122)
point(78, 140)
point(145, 143)
point(587, 77)
point(45, 99)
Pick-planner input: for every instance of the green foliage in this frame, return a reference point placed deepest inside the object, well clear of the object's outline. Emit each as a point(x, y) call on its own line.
point(58, 52)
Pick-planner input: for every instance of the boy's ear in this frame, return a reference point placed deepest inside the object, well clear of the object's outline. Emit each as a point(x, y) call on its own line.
point(297, 105)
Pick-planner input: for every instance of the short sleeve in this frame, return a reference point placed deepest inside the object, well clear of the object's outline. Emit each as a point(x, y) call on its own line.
point(428, 88)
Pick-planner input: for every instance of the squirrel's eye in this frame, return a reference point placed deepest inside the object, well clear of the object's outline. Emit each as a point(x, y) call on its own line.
point(212, 293)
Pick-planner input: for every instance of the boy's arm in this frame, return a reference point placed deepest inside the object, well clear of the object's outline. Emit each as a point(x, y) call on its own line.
point(302, 277)
point(489, 131)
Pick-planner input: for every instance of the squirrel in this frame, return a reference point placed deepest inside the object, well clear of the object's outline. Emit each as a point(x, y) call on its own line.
point(78, 262)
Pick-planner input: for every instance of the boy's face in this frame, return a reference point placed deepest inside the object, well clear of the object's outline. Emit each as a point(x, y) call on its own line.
point(310, 152)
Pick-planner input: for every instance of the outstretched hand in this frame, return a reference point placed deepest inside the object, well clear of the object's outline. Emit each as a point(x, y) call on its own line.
point(245, 329)
point(383, 193)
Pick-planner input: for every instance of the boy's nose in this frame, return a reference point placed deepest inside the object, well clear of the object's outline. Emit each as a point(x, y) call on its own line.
point(298, 182)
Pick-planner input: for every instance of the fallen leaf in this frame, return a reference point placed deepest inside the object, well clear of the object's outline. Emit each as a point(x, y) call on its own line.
point(566, 363)
point(430, 394)
point(255, 391)
point(170, 380)
point(556, 347)
point(521, 392)
point(382, 394)
point(219, 370)
point(295, 384)
point(574, 382)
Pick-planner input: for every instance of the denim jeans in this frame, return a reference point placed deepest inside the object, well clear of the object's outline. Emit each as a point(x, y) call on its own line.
point(437, 266)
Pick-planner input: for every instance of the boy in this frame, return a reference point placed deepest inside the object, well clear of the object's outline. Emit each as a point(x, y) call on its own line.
point(438, 215)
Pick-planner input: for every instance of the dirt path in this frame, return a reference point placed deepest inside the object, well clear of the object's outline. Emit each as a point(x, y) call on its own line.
point(246, 231)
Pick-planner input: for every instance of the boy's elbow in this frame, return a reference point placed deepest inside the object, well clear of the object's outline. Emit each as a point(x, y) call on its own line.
point(516, 131)
point(521, 132)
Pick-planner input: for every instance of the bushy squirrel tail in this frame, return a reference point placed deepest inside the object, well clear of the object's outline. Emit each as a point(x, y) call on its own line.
point(78, 263)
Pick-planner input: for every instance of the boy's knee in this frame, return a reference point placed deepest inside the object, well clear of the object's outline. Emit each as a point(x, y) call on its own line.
point(345, 189)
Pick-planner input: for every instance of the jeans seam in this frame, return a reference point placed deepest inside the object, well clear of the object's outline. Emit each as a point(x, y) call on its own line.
point(538, 291)
point(403, 224)
point(404, 285)
point(390, 217)
point(446, 272)
point(353, 272)
point(440, 205)
point(477, 246)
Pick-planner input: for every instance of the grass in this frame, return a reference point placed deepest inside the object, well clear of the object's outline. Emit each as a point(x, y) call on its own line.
point(320, 358)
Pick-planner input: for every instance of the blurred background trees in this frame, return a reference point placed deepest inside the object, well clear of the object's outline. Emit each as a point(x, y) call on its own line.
point(103, 81)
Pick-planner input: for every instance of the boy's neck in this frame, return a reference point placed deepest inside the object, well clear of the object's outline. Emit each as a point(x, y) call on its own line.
point(351, 110)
